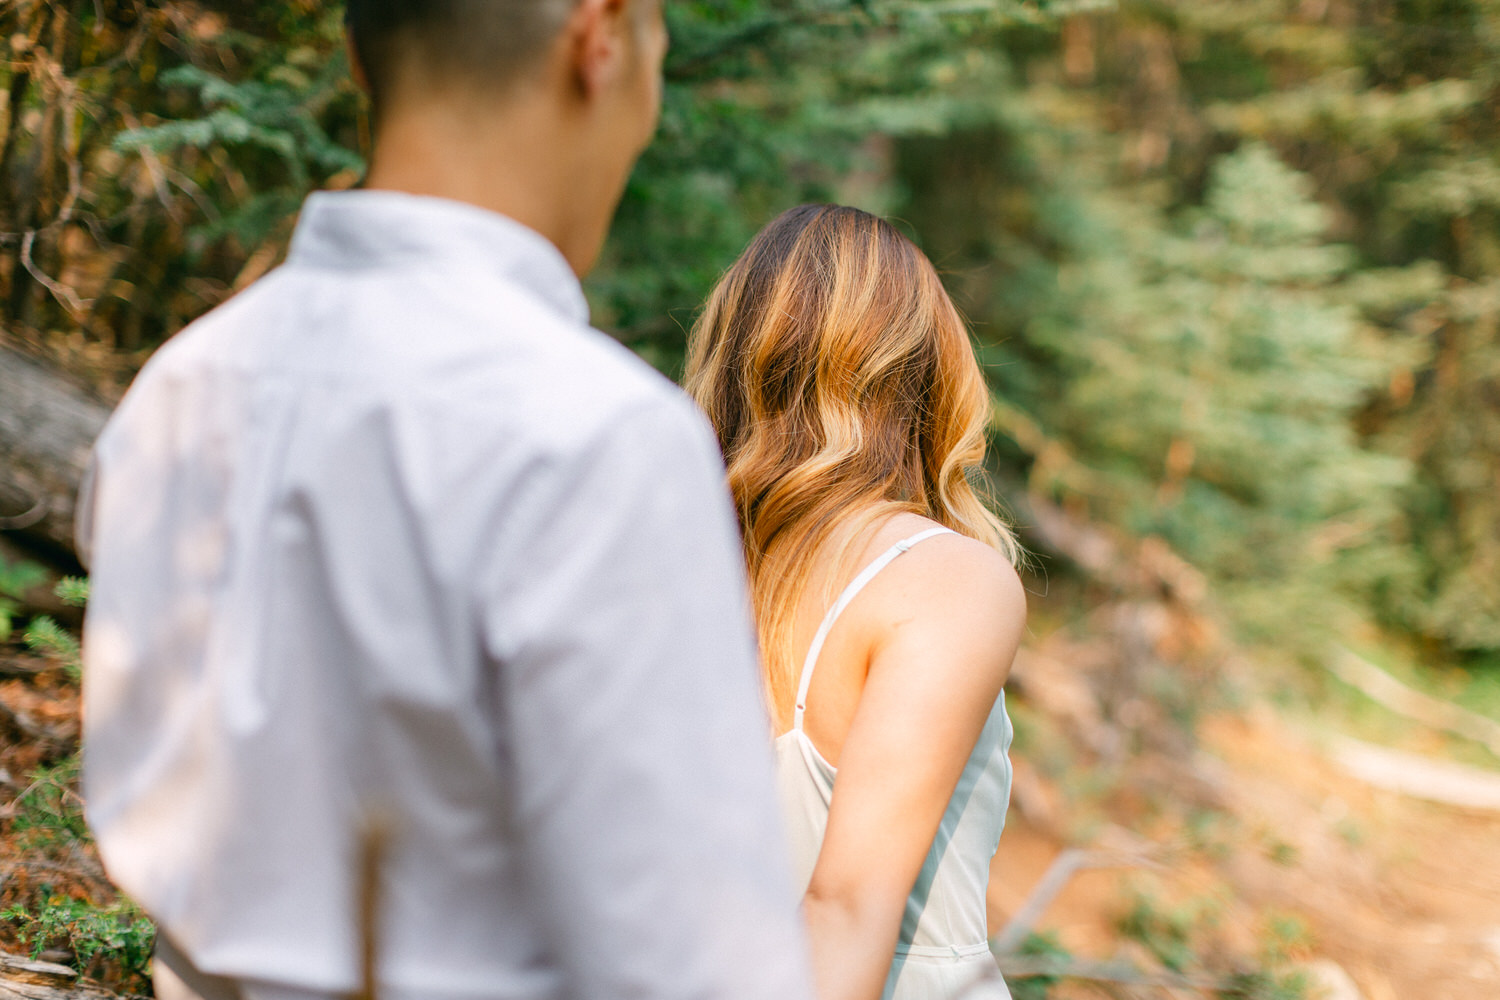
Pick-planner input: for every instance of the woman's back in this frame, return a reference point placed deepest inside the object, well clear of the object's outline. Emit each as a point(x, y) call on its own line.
point(942, 949)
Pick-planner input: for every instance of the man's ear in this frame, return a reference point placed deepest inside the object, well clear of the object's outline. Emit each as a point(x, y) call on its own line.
point(598, 33)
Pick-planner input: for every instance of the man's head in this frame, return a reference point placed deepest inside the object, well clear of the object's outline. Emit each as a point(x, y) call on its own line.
point(512, 103)
point(414, 46)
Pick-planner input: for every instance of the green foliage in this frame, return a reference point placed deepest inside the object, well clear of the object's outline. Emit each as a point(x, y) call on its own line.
point(157, 153)
point(1171, 934)
point(1392, 117)
point(1231, 263)
point(73, 591)
point(269, 123)
point(19, 576)
point(46, 636)
point(1203, 370)
point(768, 106)
point(1287, 934)
point(1263, 985)
point(16, 578)
point(273, 116)
point(1166, 933)
point(118, 932)
point(1042, 945)
point(48, 815)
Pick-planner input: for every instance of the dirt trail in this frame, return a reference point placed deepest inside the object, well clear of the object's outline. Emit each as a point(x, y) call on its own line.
point(1403, 894)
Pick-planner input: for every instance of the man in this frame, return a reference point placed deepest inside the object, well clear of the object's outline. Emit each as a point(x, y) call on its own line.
point(394, 542)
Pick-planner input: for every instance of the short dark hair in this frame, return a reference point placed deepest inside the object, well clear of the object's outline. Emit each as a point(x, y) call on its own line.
point(489, 42)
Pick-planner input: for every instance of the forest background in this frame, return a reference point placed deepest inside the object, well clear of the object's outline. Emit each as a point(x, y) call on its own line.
point(1232, 267)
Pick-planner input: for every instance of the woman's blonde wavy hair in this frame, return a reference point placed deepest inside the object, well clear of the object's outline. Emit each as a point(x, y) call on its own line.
point(843, 387)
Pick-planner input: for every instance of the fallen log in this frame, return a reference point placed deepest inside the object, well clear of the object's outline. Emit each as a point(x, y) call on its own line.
point(47, 426)
point(25, 979)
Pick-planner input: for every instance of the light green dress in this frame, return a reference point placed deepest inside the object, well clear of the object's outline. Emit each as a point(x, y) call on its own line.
point(943, 951)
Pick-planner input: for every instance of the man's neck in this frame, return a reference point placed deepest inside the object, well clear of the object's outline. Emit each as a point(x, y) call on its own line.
point(518, 163)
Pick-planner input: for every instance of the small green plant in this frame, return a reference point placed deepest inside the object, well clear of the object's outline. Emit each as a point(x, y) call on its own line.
point(46, 636)
point(48, 814)
point(1210, 832)
point(1282, 853)
point(73, 591)
point(8, 611)
point(1265, 985)
point(1350, 831)
point(1164, 932)
point(1042, 945)
point(1287, 934)
point(16, 578)
point(118, 932)
point(274, 117)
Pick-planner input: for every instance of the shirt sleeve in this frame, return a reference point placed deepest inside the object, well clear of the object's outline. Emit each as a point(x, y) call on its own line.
point(617, 623)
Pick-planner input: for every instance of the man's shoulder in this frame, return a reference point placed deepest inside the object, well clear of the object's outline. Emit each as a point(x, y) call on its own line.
point(469, 343)
point(559, 381)
point(194, 353)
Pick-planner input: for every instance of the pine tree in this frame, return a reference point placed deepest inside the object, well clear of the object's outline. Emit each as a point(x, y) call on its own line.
point(1207, 377)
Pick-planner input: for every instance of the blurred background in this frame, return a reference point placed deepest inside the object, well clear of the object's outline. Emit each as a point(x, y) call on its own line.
point(1233, 270)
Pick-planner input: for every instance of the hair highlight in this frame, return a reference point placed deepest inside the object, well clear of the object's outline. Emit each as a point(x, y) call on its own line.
point(843, 387)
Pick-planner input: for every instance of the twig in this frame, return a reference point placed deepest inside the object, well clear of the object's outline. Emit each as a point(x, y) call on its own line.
point(1059, 874)
point(92, 872)
point(10, 668)
point(1379, 686)
point(374, 845)
point(27, 519)
point(23, 724)
point(65, 296)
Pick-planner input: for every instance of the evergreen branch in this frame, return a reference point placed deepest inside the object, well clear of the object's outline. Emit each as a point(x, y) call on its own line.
point(688, 66)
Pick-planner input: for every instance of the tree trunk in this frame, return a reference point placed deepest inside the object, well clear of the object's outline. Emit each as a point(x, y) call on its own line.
point(46, 429)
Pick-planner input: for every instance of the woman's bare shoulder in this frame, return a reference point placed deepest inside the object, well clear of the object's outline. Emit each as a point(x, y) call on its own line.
point(952, 586)
point(951, 561)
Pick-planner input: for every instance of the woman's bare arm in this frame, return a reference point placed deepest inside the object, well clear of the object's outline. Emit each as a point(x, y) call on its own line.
point(945, 628)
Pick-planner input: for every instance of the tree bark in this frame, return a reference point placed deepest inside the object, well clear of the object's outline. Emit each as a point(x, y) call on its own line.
point(47, 427)
point(23, 979)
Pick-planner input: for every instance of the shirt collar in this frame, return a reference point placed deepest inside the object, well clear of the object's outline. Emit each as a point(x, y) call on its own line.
point(365, 228)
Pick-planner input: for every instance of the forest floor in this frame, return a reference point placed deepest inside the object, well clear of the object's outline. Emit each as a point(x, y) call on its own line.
point(1246, 843)
point(1224, 846)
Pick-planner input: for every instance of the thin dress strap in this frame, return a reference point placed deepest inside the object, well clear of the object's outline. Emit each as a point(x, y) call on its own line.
point(849, 594)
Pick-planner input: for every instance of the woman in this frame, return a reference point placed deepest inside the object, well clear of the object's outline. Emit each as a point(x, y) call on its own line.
point(850, 408)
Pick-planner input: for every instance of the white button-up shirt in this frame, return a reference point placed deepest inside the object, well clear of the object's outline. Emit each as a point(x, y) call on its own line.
point(396, 533)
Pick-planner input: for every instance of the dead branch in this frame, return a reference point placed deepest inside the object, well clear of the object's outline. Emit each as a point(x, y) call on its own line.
point(374, 846)
point(22, 725)
point(1059, 874)
point(1381, 687)
point(65, 296)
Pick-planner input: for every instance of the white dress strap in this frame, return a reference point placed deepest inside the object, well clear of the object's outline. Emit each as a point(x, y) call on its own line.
point(850, 593)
